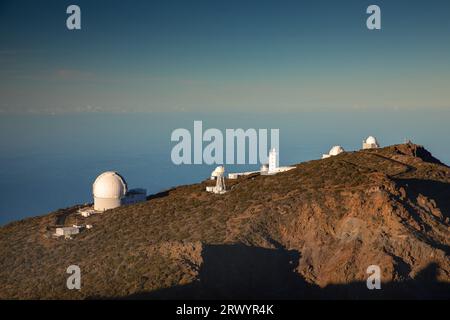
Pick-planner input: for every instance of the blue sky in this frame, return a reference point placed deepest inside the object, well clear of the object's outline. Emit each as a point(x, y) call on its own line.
point(247, 55)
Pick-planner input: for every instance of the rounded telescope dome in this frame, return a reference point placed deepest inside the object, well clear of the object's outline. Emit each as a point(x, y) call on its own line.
point(371, 140)
point(220, 170)
point(336, 150)
point(216, 172)
point(109, 185)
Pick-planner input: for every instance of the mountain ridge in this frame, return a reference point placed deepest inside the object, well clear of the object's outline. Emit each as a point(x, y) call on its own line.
point(313, 231)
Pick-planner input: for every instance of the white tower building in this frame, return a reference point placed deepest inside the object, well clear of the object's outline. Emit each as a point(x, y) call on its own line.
point(273, 160)
point(108, 189)
point(370, 143)
point(220, 182)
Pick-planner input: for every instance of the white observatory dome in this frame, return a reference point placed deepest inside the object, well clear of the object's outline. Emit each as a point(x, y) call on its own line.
point(371, 140)
point(336, 150)
point(220, 170)
point(109, 185)
point(217, 172)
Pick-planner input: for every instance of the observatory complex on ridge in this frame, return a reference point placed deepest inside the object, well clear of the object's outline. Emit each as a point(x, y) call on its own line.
point(110, 189)
point(369, 143)
point(266, 169)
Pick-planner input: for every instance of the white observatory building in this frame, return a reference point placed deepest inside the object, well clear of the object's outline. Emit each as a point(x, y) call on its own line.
point(218, 175)
point(273, 166)
point(217, 172)
point(266, 169)
point(273, 160)
point(111, 191)
point(370, 143)
point(333, 152)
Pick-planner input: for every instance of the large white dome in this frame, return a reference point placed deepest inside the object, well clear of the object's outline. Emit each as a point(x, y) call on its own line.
point(336, 150)
point(371, 140)
point(109, 185)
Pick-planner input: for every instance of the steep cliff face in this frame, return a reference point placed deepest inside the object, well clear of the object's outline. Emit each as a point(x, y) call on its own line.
point(311, 232)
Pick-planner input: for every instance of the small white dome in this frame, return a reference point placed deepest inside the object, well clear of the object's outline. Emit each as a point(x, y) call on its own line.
point(336, 150)
point(220, 170)
point(371, 140)
point(109, 185)
point(217, 171)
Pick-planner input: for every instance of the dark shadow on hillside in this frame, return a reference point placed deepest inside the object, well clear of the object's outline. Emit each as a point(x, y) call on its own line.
point(425, 155)
point(424, 286)
point(414, 214)
point(241, 272)
point(436, 190)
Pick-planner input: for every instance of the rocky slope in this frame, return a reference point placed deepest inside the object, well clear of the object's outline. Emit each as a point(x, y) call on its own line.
point(307, 233)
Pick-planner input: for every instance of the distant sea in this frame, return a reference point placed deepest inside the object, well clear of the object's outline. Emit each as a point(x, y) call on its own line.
point(49, 162)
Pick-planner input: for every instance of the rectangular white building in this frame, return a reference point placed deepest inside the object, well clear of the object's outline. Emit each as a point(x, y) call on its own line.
point(67, 231)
